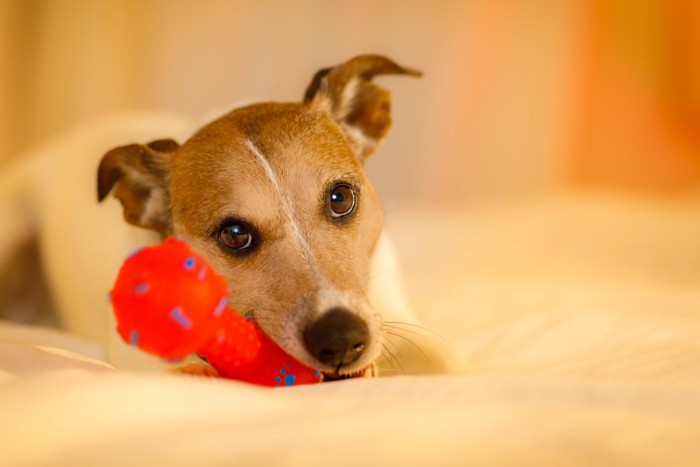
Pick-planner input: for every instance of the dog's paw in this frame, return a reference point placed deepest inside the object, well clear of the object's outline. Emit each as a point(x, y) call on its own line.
point(196, 369)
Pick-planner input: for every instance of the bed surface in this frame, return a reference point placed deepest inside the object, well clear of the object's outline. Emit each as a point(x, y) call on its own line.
point(578, 315)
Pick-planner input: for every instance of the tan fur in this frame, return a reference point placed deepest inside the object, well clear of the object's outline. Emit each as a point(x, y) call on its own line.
point(272, 165)
point(210, 183)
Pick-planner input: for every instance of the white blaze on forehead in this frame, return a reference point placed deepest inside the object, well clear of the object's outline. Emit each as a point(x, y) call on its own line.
point(327, 296)
point(288, 210)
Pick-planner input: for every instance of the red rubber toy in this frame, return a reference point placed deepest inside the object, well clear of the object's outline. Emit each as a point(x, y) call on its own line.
point(169, 302)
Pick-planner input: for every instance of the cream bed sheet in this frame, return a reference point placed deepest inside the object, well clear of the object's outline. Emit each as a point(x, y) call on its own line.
point(579, 315)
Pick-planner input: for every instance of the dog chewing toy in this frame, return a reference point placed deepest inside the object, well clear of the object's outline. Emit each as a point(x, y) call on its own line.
point(169, 302)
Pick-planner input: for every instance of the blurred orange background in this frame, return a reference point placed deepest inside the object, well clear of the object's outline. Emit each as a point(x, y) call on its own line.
point(518, 98)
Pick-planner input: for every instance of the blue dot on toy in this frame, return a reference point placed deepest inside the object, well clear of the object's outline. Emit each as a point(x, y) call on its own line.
point(288, 379)
point(190, 263)
point(221, 306)
point(141, 289)
point(180, 318)
point(134, 337)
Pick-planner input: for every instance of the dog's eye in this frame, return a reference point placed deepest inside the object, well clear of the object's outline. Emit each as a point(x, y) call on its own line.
point(236, 236)
point(343, 200)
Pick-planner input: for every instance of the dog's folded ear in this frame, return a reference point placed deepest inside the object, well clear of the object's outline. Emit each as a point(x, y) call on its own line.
point(139, 175)
point(361, 108)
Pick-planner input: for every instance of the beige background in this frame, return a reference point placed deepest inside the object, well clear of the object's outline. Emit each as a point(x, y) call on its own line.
point(518, 98)
point(578, 313)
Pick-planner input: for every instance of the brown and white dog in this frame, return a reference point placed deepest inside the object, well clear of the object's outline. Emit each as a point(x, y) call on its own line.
point(274, 195)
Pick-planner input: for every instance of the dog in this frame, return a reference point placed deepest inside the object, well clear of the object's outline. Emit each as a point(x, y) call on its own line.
point(273, 195)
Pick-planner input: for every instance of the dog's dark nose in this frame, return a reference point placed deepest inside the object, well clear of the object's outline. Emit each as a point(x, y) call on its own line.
point(337, 338)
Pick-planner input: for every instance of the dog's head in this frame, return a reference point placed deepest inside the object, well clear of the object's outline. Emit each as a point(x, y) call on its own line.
point(275, 197)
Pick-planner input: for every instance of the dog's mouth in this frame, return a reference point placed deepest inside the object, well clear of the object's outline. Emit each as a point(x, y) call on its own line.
point(367, 372)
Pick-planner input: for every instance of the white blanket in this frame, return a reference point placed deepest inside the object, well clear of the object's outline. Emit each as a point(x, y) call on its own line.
point(579, 316)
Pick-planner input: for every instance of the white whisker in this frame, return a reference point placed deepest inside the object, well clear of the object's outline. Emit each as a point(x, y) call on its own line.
point(391, 358)
point(415, 329)
point(413, 344)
